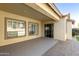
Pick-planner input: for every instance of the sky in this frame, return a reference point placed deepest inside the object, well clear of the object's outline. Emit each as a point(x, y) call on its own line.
point(72, 8)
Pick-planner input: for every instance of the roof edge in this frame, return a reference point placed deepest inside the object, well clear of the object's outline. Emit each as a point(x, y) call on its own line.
point(53, 6)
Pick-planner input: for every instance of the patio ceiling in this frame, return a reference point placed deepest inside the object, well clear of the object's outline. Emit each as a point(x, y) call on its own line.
point(23, 10)
point(46, 9)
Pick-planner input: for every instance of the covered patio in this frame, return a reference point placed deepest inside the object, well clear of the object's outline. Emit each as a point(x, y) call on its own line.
point(35, 47)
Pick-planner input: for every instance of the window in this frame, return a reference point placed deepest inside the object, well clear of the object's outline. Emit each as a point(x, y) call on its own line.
point(33, 28)
point(15, 28)
point(21, 25)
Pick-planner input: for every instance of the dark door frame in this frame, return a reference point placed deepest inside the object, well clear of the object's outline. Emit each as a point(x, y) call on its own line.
point(48, 30)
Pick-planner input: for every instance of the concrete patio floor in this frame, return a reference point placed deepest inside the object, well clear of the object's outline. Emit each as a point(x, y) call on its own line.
point(42, 46)
point(67, 48)
point(35, 47)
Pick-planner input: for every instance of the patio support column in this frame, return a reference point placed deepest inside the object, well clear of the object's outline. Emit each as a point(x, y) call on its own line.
point(69, 29)
point(60, 29)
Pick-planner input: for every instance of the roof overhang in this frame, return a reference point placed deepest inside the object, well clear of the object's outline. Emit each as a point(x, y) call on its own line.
point(24, 10)
point(40, 11)
point(56, 10)
point(46, 9)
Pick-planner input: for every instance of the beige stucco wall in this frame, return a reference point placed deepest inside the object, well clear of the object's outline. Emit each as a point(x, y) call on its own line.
point(19, 39)
point(69, 30)
point(60, 30)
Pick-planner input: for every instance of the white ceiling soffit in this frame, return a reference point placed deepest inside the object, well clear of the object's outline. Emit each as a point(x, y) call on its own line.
point(24, 10)
point(44, 9)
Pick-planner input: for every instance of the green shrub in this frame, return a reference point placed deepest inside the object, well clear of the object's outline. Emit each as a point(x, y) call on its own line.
point(77, 38)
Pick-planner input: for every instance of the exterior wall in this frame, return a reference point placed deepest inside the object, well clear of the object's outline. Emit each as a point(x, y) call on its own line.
point(19, 39)
point(60, 30)
point(69, 30)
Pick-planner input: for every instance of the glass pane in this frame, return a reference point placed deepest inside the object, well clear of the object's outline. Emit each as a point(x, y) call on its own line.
point(12, 33)
point(33, 29)
point(14, 24)
point(21, 25)
point(9, 24)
